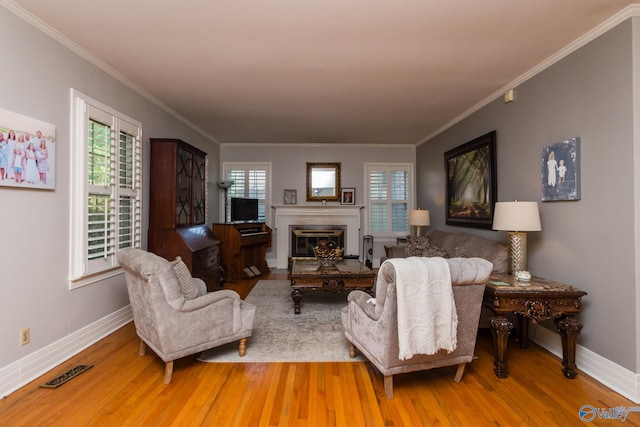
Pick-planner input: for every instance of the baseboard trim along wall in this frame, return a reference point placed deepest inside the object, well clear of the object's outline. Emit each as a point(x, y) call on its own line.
point(611, 375)
point(25, 370)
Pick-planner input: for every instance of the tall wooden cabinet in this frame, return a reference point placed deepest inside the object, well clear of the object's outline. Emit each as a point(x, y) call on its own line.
point(177, 209)
point(178, 179)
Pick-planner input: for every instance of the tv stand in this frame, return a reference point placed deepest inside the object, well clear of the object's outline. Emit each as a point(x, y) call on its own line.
point(243, 247)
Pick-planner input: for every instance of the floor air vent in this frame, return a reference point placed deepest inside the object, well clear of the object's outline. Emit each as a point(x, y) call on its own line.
point(71, 373)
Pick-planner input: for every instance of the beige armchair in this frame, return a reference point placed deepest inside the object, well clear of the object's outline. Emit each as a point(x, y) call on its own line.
point(174, 314)
point(373, 328)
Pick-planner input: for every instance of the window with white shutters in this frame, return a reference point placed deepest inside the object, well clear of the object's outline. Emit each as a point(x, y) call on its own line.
point(388, 198)
point(106, 189)
point(250, 180)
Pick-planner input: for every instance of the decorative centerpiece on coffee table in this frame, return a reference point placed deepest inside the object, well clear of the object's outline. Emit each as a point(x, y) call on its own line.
point(327, 253)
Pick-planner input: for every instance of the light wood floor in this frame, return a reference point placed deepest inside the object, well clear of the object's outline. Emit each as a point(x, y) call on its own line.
point(123, 389)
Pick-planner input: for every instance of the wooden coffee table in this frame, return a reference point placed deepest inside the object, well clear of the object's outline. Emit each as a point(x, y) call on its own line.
point(347, 275)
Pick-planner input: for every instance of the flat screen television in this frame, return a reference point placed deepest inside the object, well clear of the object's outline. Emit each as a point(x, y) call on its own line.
point(243, 210)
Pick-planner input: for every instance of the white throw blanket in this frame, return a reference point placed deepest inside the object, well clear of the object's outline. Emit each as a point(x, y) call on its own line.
point(427, 318)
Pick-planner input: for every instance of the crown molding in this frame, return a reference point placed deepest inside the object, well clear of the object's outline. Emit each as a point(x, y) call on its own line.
point(618, 18)
point(315, 144)
point(38, 23)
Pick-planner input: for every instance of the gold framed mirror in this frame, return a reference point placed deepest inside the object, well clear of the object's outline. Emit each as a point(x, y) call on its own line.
point(323, 182)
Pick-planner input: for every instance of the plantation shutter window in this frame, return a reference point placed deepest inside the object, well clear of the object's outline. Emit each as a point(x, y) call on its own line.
point(100, 203)
point(106, 189)
point(250, 180)
point(130, 180)
point(399, 201)
point(388, 199)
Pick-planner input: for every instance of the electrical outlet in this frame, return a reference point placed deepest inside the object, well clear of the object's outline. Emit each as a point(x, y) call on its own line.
point(25, 336)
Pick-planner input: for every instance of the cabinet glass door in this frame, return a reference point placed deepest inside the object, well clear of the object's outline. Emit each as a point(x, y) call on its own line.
point(183, 187)
point(199, 195)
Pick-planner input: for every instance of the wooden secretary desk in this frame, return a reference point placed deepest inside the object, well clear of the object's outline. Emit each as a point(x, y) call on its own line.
point(177, 209)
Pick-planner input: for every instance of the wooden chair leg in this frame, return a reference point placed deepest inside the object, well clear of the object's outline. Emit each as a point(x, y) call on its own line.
point(388, 386)
point(459, 372)
point(168, 372)
point(352, 350)
point(143, 349)
point(242, 349)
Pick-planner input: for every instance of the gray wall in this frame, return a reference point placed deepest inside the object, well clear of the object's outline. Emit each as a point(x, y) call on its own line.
point(35, 80)
point(589, 243)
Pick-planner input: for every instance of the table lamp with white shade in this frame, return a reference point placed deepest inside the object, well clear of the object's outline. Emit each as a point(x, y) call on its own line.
point(418, 220)
point(516, 218)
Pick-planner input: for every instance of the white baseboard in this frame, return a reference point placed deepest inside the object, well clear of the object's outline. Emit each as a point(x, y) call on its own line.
point(272, 263)
point(25, 370)
point(611, 375)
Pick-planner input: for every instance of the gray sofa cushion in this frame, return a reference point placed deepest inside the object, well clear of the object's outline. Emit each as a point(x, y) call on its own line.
point(469, 246)
point(455, 245)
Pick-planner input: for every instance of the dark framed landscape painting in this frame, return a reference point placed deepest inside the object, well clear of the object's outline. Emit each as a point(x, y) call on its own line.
point(471, 182)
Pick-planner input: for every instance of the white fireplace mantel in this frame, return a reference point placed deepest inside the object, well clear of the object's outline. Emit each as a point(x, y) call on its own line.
point(287, 215)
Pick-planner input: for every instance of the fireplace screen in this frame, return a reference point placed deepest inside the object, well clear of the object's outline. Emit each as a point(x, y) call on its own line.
point(303, 241)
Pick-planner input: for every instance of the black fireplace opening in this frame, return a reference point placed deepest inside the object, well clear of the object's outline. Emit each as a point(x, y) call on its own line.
point(305, 238)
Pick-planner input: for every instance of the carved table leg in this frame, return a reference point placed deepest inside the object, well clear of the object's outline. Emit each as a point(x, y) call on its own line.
point(297, 297)
point(500, 327)
point(523, 331)
point(569, 329)
point(333, 285)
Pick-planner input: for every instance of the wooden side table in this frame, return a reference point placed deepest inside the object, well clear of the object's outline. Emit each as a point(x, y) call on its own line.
point(540, 299)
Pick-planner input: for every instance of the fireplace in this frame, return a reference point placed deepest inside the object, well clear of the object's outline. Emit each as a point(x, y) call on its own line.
point(328, 217)
point(305, 238)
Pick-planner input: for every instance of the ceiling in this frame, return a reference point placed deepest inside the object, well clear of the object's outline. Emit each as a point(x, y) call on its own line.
point(329, 71)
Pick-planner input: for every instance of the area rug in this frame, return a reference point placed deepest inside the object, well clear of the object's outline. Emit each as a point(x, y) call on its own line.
point(279, 335)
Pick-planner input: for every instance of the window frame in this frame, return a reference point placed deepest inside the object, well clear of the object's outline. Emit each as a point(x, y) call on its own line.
point(411, 196)
point(247, 166)
point(82, 270)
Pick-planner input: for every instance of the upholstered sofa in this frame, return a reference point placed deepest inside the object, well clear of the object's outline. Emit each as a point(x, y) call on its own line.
point(372, 327)
point(451, 245)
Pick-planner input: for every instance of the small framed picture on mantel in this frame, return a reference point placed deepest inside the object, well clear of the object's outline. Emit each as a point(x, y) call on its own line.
point(348, 196)
point(290, 197)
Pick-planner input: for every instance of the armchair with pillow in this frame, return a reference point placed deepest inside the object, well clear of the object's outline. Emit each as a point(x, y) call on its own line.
point(174, 314)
